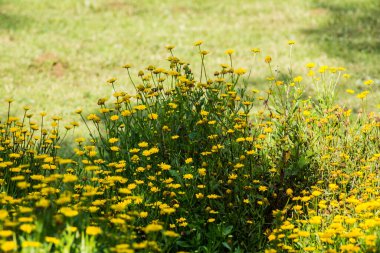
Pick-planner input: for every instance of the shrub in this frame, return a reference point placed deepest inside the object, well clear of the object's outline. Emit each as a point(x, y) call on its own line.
point(200, 164)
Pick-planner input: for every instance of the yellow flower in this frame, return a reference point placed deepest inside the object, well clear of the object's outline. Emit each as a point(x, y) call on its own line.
point(368, 82)
point(255, 50)
point(68, 212)
point(126, 113)
point(164, 166)
point(92, 230)
point(189, 160)
point(323, 69)
point(229, 51)
point(43, 203)
point(250, 152)
point(268, 130)
point(198, 43)
point(3, 214)
point(127, 66)
point(27, 228)
point(271, 237)
point(30, 244)
point(93, 117)
point(291, 42)
point(303, 233)
point(333, 187)
point(362, 95)
point(240, 71)
point(154, 150)
point(232, 176)
point(310, 73)
point(153, 116)
point(315, 220)
point(68, 178)
point(263, 188)
point(289, 192)
point(213, 196)
point(204, 52)
point(169, 47)
point(115, 148)
point(349, 248)
point(297, 79)
point(268, 59)
point(78, 111)
point(114, 117)
point(139, 107)
point(113, 140)
point(8, 246)
point(72, 229)
point(199, 195)
point(141, 245)
point(202, 171)
point(188, 176)
point(175, 137)
point(25, 219)
point(350, 220)
point(370, 240)
point(154, 189)
point(170, 233)
point(111, 80)
point(117, 221)
point(279, 83)
point(153, 228)
point(6, 233)
point(93, 209)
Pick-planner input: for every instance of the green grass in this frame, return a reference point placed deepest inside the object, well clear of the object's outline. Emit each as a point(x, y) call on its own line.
point(56, 55)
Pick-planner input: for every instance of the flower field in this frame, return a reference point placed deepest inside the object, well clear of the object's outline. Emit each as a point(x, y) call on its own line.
point(193, 161)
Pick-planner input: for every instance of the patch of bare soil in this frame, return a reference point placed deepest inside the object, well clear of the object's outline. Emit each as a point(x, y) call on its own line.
point(51, 63)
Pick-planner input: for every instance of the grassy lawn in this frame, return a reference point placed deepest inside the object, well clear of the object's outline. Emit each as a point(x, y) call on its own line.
point(57, 55)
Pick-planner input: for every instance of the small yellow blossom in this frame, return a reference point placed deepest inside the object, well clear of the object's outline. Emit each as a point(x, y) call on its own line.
point(153, 228)
point(92, 230)
point(229, 51)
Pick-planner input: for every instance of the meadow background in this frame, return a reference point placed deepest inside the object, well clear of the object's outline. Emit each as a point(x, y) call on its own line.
point(56, 55)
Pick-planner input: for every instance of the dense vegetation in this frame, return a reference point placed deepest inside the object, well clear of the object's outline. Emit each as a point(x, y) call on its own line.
point(195, 161)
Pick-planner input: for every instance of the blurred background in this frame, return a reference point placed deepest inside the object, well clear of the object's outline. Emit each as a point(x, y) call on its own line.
point(57, 55)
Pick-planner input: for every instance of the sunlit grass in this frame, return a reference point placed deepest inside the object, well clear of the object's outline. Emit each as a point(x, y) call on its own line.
point(55, 55)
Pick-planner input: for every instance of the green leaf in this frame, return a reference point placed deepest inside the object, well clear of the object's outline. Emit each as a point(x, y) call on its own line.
point(226, 245)
point(183, 244)
point(227, 230)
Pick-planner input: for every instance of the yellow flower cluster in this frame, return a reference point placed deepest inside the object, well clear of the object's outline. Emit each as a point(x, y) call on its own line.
point(185, 163)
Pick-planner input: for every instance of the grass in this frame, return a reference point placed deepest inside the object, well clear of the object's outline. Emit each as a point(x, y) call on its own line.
point(56, 56)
